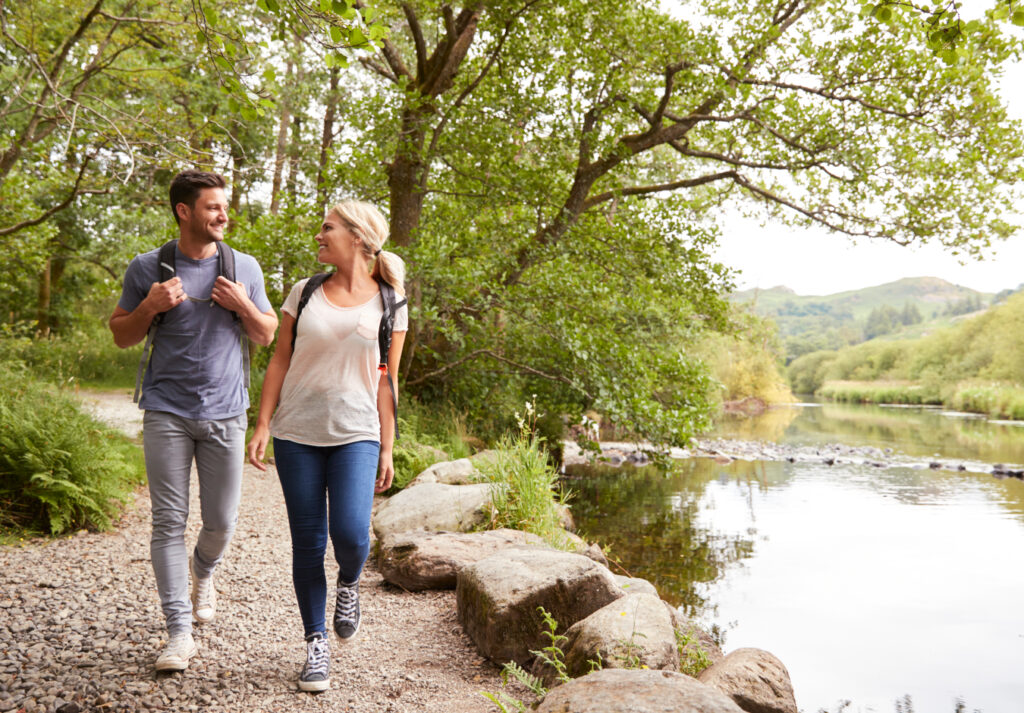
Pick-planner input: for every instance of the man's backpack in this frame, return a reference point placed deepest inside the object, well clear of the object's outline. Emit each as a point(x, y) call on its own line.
point(387, 324)
point(166, 270)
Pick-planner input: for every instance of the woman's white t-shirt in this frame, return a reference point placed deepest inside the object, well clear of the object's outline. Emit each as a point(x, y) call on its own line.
point(329, 394)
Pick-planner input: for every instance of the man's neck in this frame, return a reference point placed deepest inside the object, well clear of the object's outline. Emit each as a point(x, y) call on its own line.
point(195, 247)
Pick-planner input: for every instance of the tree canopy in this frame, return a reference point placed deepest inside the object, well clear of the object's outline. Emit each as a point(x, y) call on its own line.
point(553, 172)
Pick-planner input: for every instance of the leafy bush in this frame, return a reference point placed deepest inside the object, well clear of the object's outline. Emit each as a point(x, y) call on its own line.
point(59, 469)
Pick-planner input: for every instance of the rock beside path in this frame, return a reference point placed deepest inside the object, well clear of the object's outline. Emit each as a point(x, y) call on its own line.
point(623, 691)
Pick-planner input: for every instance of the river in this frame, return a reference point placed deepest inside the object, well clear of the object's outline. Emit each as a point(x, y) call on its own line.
point(882, 589)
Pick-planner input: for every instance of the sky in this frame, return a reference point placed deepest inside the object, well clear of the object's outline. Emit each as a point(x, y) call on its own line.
point(817, 262)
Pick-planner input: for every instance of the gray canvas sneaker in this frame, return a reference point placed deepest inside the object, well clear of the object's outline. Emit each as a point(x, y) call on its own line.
point(346, 611)
point(315, 674)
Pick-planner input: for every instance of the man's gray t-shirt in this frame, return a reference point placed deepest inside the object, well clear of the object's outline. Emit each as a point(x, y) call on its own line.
point(196, 368)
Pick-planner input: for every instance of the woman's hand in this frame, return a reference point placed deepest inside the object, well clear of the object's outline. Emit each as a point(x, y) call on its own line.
point(258, 446)
point(387, 473)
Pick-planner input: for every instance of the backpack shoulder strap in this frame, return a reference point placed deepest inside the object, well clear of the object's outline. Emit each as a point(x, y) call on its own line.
point(387, 324)
point(226, 261)
point(307, 292)
point(165, 271)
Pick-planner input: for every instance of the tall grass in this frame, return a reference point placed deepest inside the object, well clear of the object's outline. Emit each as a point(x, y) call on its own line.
point(59, 469)
point(525, 494)
point(998, 400)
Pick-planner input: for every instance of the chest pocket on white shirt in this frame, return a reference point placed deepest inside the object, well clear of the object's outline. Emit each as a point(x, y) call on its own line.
point(367, 326)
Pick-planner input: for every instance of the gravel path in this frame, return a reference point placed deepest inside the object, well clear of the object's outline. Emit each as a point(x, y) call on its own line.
point(80, 624)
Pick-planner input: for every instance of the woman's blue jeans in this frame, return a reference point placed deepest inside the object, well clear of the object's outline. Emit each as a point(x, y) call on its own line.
point(326, 489)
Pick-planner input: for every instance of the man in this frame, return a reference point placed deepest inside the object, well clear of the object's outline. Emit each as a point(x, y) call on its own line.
point(194, 396)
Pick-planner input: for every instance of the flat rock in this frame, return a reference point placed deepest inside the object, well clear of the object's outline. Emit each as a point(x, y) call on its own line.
point(450, 472)
point(636, 691)
point(498, 598)
point(430, 560)
point(434, 507)
point(756, 680)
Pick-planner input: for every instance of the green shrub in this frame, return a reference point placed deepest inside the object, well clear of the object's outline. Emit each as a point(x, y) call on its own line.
point(59, 469)
point(86, 357)
point(427, 437)
point(525, 494)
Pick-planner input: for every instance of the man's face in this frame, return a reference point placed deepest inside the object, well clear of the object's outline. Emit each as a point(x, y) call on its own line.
point(209, 216)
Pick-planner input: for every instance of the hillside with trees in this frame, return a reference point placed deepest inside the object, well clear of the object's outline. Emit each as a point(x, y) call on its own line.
point(973, 365)
point(829, 322)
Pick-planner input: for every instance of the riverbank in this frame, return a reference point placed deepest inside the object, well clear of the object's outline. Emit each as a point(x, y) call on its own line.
point(726, 450)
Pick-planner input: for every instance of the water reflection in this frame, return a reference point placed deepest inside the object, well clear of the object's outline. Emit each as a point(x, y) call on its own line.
point(871, 584)
point(651, 519)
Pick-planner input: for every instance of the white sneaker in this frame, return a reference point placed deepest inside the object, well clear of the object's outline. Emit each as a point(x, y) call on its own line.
point(176, 654)
point(204, 596)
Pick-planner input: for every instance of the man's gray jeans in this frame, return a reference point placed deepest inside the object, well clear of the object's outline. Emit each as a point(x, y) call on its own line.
point(170, 443)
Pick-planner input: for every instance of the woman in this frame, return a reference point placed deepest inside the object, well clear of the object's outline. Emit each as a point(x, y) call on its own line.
point(334, 424)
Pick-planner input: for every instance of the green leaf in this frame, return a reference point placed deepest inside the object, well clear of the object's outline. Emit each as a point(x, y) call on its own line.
point(325, 5)
point(233, 104)
point(1001, 12)
point(356, 37)
point(262, 5)
point(210, 14)
point(340, 60)
point(369, 13)
point(1018, 18)
point(223, 63)
point(269, 74)
point(335, 34)
point(885, 14)
point(377, 31)
point(867, 10)
point(273, 6)
point(339, 7)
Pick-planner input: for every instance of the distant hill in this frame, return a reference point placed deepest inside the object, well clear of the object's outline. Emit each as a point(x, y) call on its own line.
point(809, 323)
point(927, 293)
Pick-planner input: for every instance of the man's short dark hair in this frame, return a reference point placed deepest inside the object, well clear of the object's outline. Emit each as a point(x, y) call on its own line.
point(186, 186)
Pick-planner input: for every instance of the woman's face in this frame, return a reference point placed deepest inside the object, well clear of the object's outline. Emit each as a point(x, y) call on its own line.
point(336, 242)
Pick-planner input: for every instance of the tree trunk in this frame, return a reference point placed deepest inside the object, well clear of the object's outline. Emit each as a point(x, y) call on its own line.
point(407, 178)
point(327, 139)
point(43, 301)
point(237, 164)
point(294, 152)
point(279, 153)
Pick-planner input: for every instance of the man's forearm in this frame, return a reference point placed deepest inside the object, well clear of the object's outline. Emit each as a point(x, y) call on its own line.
point(130, 328)
point(259, 326)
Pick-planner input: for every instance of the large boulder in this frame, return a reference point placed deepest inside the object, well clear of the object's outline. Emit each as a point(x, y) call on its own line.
point(756, 680)
point(450, 472)
point(430, 560)
point(433, 507)
point(631, 632)
point(636, 691)
point(498, 598)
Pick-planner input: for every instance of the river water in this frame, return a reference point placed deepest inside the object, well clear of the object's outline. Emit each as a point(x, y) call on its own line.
point(882, 589)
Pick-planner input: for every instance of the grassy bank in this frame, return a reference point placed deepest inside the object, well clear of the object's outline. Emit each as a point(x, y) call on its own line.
point(974, 365)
